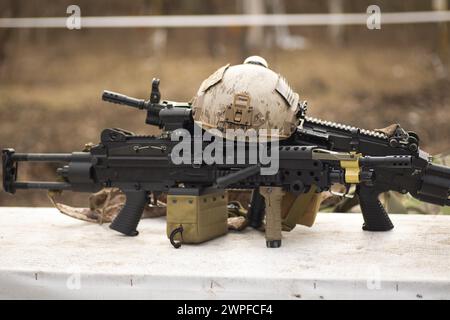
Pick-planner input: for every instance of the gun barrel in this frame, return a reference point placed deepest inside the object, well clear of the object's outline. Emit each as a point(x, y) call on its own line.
point(118, 98)
point(42, 185)
point(435, 186)
point(47, 157)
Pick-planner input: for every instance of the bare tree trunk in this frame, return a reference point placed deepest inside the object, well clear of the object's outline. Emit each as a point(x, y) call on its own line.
point(213, 34)
point(159, 36)
point(255, 34)
point(442, 47)
point(11, 9)
point(336, 32)
point(243, 50)
point(282, 37)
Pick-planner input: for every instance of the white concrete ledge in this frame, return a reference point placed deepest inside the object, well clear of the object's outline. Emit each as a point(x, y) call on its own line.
point(46, 255)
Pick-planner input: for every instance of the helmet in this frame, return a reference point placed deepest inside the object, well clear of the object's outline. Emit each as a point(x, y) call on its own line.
point(247, 96)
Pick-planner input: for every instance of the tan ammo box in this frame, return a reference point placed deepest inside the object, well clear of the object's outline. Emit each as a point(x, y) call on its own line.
point(201, 217)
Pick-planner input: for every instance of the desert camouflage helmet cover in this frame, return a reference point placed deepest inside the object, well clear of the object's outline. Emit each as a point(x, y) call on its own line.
point(247, 96)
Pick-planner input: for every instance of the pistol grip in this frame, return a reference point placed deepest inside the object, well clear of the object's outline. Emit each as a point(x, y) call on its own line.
point(128, 218)
point(374, 214)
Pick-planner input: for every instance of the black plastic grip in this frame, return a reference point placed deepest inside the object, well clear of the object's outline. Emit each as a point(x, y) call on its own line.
point(374, 214)
point(256, 210)
point(128, 218)
point(9, 170)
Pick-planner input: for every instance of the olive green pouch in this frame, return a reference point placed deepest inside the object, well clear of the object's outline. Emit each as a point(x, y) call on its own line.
point(196, 218)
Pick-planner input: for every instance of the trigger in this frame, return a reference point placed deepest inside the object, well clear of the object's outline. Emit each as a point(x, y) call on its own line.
point(347, 193)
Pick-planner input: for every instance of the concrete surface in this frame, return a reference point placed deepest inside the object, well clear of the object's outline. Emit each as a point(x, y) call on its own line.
point(46, 255)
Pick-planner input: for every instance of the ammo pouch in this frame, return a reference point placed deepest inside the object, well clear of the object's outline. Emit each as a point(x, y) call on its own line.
point(194, 217)
point(300, 209)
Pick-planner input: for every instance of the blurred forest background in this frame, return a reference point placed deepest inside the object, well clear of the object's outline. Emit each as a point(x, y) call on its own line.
point(51, 80)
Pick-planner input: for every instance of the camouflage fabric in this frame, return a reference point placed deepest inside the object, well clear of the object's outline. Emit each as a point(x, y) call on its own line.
point(246, 96)
point(104, 206)
point(107, 203)
point(237, 216)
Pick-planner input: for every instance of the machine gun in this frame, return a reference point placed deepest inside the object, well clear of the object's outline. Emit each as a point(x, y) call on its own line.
point(318, 155)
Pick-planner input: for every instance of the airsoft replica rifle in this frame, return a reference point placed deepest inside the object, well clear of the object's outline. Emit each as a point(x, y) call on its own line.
point(319, 154)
